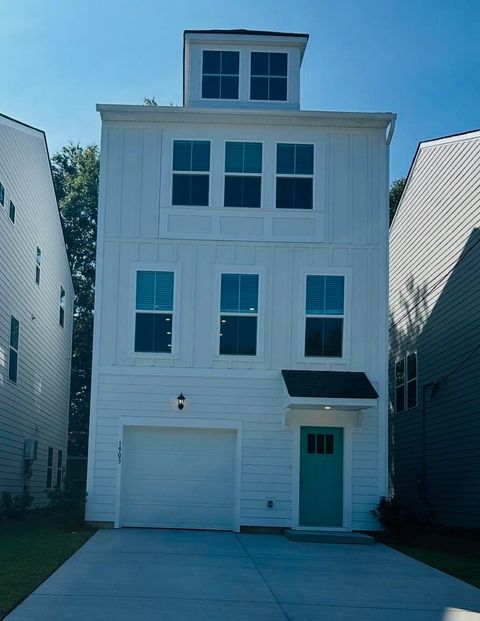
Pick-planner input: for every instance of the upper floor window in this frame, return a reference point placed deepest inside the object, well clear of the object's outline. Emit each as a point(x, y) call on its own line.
point(11, 213)
point(243, 181)
point(268, 76)
point(154, 312)
point(406, 382)
point(324, 310)
point(38, 264)
point(61, 316)
point(294, 176)
point(190, 184)
point(50, 468)
point(238, 314)
point(13, 356)
point(2, 195)
point(220, 75)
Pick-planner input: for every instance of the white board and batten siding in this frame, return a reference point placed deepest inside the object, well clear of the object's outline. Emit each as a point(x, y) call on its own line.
point(139, 228)
point(36, 407)
point(435, 263)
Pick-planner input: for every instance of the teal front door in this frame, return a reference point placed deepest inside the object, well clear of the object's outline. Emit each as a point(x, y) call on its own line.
point(321, 476)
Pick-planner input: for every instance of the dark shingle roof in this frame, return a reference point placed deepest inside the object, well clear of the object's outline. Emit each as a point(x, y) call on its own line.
point(329, 384)
point(244, 31)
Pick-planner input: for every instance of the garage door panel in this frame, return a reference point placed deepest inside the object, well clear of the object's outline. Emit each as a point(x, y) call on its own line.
point(181, 478)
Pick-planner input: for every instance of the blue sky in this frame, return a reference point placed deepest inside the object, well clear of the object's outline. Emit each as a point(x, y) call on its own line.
point(419, 58)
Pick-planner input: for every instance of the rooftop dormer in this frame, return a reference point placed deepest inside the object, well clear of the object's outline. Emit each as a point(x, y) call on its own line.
point(242, 68)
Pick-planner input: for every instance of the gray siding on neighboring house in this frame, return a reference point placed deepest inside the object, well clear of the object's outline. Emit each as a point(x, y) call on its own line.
point(36, 406)
point(435, 310)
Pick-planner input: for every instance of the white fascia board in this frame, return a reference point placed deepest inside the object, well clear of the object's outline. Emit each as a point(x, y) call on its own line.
point(312, 403)
point(435, 142)
point(171, 114)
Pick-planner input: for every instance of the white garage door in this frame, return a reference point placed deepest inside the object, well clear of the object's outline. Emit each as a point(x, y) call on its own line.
point(178, 478)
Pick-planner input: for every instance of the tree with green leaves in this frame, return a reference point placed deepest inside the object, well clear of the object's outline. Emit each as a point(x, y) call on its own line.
point(75, 174)
point(396, 191)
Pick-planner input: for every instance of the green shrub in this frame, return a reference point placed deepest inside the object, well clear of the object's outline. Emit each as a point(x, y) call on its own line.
point(68, 504)
point(15, 505)
point(397, 518)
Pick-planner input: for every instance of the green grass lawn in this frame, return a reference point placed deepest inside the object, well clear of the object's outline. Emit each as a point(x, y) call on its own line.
point(31, 548)
point(455, 555)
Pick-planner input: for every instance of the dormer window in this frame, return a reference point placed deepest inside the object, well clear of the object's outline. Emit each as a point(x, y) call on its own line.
point(220, 75)
point(268, 76)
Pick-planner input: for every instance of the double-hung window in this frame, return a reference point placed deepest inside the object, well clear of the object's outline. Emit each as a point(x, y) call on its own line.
point(294, 176)
point(238, 314)
point(50, 467)
point(406, 382)
point(59, 468)
point(154, 312)
point(243, 174)
point(61, 316)
point(38, 264)
point(11, 212)
point(191, 166)
point(13, 355)
point(220, 75)
point(325, 301)
point(268, 76)
point(2, 195)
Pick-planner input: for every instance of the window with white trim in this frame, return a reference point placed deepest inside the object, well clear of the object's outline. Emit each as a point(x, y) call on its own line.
point(38, 264)
point(238, 314)
point(294, 176)
point(220, 71)
point(12, 212)
point(14, 344)
point(61, 316)
point(406, 394)
point(243, 174)
point(50, 468)
point(191, 167)
point(324, 322)
point(154, 312)
point(268, 76)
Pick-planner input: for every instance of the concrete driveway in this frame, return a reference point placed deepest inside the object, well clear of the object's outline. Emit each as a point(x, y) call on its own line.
point(132, 575)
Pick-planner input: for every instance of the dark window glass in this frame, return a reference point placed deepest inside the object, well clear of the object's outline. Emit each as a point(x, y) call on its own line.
point(243, 157)
point(13, 365)
point(278, 64)
point(411, 366)
point(230, 63)
point(239, 293)
point(12, 212)
point(190, 190)
point(242, 191)
point(59, 468)
point(400, 398)
point(61, 318)
point(37, 266)
point(211, 62)
point(228, 87)
point(320, 443)
point(400, 372)
point(14, 332)
point(329, 444)
point(310, 443)
point(153, 332)
point(268, 79)
point(259, 89)
point(294, 193)
point(323, 337)
point(49, 467)
point(211, 87)
point(294, 159)
point(2, 195)
point(220, 75)
point(191, 155)
point(278, 89)
point(325, 295)
point(238, 335)
point(412, 394)
point(259, 63)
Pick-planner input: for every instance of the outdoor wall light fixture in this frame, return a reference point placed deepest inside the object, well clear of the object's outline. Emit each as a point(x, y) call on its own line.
point(327, 407)
point(181, 401)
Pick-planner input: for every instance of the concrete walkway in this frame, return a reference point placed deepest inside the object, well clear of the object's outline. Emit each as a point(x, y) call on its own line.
point(132, 575)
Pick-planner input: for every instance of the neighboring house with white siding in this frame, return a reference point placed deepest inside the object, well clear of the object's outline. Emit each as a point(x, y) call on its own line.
point(240, 341)
point(36, 309)
point(435, 336)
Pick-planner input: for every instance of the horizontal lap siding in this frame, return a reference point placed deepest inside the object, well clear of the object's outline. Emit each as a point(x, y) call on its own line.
point(37, 406)
point(439, 221)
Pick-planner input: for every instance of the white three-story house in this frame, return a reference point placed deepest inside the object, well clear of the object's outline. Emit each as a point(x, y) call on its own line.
point(240, 347)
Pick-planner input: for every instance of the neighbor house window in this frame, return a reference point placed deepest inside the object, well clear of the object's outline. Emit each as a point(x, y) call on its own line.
point(59, 468)
point(13, 356)
point(50, 467)
point(220, 75)
point(406, 382)
point(324, 316)
point(268, 76)
point(2, 195)
point(191, 165)
point(61, 316)
point(11, 213)
point(294, 176)
point(38, 264)
point(154, 312)
point(238, 314)
point(243, 178)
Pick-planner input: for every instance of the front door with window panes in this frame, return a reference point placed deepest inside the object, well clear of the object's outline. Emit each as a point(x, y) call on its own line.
point(321, 476)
